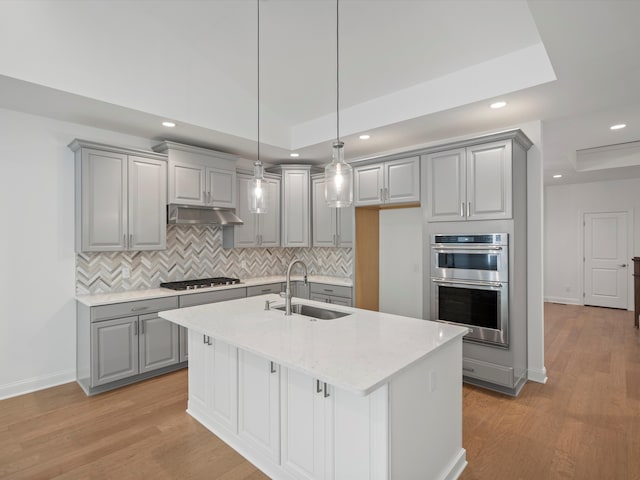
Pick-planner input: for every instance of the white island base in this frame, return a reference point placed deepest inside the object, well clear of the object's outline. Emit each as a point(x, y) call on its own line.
point(292, 425)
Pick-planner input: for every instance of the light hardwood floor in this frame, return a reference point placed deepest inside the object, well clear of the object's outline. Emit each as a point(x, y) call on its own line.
point(583, 424)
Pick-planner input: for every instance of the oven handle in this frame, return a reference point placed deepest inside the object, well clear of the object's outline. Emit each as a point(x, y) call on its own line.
point(489, 248)
point(441, 281)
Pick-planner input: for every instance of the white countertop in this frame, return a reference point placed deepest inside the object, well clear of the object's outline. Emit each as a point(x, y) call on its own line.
point(133, 295)
point(358, 353)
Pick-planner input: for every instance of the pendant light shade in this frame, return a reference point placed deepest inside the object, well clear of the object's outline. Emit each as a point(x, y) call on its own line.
point(338, 175)
point(338, 178)
point(258, 193)
point(258, 190)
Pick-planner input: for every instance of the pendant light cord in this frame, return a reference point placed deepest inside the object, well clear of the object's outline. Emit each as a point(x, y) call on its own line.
point(337, 71)
point(258, 49)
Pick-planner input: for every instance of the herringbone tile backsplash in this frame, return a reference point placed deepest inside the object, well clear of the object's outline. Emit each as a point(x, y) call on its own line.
point(196, 252)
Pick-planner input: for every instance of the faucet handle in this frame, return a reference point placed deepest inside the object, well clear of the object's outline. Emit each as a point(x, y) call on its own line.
point(267, 304)
point(283, 294)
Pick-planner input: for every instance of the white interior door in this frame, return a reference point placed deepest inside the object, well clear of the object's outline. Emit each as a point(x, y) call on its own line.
point(605, 259)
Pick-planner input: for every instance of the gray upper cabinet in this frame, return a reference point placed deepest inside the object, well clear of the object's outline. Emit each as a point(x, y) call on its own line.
point(261, 230)
point(147, 200)
point(390, 182)
point(472, 183)
point(120, 198)
point(200, 177)
point(296, 204)
point(332, 227)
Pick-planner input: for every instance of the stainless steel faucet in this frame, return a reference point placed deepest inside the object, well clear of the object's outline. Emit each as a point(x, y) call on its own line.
point(287, 293)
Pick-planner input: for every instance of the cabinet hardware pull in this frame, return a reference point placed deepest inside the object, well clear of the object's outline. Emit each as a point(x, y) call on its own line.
point(462, 209)
point(467, 369)
point(318, 387)
point(468, 209)
point(382, 194)
point(130, 240)
point(273, 367)
point(386, 194)
point(623, 265)
point(204, 338)
point(124, 241)
point(204, 196)
point(328, 290)
point(265, 290)
point(326, 390)
point(209, 342)
point(138, 309)
point(135, 328)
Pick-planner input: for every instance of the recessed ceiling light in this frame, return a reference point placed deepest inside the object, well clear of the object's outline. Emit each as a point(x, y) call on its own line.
point(557, 176)
point(365, 137)
point(498, 104)
point(294, 155)
point(168, 124)
point(617, 127)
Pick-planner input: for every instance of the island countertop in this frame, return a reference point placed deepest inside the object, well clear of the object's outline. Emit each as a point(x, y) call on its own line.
point(358, 352)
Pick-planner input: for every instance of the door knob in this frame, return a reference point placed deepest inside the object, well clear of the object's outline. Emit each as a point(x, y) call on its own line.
point(623, 265)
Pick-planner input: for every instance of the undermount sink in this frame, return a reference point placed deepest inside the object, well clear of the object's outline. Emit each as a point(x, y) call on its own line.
point(314, 312)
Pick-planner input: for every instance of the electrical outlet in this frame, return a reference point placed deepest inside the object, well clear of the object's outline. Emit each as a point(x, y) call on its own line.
point(126, 272)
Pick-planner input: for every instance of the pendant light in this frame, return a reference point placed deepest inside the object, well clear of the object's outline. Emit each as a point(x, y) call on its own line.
point(338, 175)
point(258, 194)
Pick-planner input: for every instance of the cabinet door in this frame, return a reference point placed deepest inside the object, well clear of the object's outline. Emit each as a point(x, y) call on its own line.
point(324, 217)
point(295, 208)
point(158, 343)
point(147, 204)
point(183, 334)
point(269, 223)
point(187, 183)
point(402, 180)
point(489, 181)
point(104, 201)
point(221, 187)
point(223, 382)
point(114, 350)
point(345, 226)
point(368, 185)
point(446, 186)
point(199, 371)
point(245, 235)
point(306, 427)
point(259, 404)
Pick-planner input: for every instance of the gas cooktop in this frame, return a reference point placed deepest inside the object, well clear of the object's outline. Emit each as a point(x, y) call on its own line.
point(200, 283)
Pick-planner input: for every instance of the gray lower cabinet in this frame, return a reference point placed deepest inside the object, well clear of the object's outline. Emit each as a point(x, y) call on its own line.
point(184, 343)
point(336, 294)
point(126, 342)
point(265, 289)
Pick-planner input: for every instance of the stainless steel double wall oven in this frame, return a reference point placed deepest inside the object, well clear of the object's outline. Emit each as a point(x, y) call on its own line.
point(470, 284)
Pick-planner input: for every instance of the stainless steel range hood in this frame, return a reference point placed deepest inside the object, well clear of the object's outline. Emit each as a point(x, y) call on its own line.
point(194, 215)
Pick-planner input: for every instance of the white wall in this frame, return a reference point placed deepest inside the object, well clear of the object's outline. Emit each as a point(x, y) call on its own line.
point(37, 259)
point(564, 209)
point(401, 262)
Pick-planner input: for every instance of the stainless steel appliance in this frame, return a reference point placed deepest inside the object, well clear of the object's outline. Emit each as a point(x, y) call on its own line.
point(200, 283)
point(470, 284)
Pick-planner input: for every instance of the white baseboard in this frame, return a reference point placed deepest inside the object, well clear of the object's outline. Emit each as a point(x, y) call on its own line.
point(457, 467)
point(565, 300)
point(36, 383)
point(536, 375)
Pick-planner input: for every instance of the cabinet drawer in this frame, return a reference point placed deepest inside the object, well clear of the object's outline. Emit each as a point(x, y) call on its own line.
point(212, 297)
point(489, 372)
point(139, 307)
point(336, 290)
point(264, 289)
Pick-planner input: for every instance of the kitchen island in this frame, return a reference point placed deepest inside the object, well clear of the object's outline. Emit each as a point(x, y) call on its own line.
point(365, 396)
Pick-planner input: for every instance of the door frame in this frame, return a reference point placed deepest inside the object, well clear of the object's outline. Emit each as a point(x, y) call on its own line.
point(630, 234)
